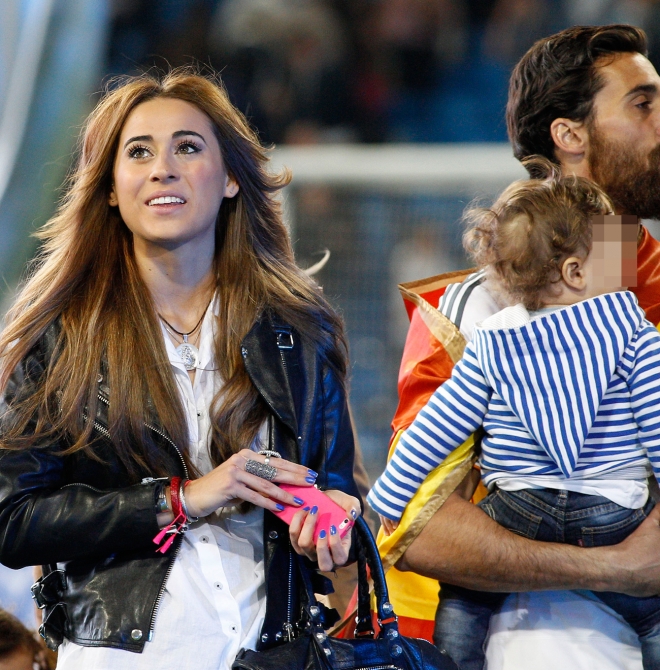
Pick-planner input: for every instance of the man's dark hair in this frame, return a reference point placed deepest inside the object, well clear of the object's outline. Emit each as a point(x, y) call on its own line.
point(557, 78)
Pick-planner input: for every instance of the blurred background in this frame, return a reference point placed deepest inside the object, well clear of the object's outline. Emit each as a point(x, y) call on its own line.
point(390, 113)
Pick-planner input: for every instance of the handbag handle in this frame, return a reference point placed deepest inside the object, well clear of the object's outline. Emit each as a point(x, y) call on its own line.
point(367, 555)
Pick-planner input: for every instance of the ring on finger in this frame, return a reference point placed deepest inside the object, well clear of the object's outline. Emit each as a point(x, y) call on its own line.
point(262, 470)
point(270, 453)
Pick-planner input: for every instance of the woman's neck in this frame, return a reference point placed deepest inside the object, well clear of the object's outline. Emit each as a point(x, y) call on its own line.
point(181, 282)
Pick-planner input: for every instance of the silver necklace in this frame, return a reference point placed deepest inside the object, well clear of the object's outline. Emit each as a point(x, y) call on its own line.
point(187, 351)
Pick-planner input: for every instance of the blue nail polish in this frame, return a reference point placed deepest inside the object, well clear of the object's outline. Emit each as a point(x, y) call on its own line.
point(314, 510)
point(280, 508)
point(306, 509)
point(310, 480)
point(297, 500)
point(322, 535)
point(311, 473)
point(333, 530)
point(354, 514)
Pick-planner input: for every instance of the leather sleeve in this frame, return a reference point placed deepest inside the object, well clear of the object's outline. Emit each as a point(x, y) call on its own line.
point(44, 516)
point(338, 436)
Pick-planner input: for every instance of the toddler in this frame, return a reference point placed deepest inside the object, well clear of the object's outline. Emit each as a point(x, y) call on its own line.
point(566, 384)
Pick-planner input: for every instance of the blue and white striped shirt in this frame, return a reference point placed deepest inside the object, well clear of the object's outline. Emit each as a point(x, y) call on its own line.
point(572, 394)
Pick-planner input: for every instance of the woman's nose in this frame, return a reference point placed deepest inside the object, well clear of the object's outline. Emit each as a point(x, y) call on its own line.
point(163, 169)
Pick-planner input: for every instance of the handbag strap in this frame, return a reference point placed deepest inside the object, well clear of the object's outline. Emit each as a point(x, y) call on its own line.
point(368, 554)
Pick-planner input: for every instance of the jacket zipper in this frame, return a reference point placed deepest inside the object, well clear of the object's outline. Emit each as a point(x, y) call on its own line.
point(87, 486)
point(104, 400)
point(170, 567)
point(288, 626)
point(159, 598)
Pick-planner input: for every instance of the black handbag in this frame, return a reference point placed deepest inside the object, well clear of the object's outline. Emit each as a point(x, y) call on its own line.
point(314, 650)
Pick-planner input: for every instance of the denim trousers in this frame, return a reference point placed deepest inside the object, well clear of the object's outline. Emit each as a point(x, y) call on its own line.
point(549, 515)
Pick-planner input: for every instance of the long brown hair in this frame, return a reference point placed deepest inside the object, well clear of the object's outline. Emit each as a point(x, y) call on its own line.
point(86, 276)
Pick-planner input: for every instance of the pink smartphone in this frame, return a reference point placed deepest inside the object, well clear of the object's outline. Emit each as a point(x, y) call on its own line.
point(329, 514)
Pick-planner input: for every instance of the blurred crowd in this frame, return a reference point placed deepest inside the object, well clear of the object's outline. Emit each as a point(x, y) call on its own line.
point(310, 71)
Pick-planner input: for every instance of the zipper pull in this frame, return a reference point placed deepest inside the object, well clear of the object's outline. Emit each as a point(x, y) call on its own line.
point(288, 629)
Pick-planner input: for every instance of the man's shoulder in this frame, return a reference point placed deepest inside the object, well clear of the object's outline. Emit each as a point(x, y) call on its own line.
point(467, 303)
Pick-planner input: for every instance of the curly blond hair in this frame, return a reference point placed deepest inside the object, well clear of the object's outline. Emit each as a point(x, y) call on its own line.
point(532, 228)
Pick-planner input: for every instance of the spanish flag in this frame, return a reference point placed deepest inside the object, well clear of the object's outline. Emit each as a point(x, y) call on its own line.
point(433, 346)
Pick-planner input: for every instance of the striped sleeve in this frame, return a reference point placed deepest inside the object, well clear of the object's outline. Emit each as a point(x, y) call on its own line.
point(644, 384)
point(452, 414)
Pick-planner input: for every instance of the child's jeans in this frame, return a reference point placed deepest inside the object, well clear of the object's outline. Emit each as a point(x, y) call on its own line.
point(461, 625)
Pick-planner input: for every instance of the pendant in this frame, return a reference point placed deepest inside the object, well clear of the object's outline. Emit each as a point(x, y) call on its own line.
point(189, 354)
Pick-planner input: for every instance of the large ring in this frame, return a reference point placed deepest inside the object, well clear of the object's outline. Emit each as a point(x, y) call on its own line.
point(260, 469)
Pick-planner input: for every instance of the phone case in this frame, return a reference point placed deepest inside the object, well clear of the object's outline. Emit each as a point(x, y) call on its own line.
point(329, 514)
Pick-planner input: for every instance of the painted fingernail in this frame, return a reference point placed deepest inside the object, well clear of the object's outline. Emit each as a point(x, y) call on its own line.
point(310, 480)
point(322, 535)
point(280, 508)
point(333, 530)
point(298, 501)
point(314, 510)
point(311, 473)
point(306, 509)
point(354, 514)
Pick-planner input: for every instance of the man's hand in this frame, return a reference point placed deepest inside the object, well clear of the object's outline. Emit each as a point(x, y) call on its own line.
point(637, 560)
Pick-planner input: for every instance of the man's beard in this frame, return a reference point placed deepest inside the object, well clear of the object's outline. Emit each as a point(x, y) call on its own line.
point(632, 180)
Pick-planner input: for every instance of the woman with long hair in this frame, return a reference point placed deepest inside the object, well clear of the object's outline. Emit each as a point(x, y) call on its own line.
point(165, 366)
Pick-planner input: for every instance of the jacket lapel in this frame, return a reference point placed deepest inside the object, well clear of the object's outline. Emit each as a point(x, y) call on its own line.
point(265, 366)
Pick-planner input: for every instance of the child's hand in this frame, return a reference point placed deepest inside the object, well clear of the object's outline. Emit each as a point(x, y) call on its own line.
point(388, 525)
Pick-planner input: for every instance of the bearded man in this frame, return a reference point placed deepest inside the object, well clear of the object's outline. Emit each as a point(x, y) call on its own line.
point(589, 100)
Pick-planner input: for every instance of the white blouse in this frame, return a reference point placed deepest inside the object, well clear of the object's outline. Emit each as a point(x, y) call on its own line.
point(214, 601)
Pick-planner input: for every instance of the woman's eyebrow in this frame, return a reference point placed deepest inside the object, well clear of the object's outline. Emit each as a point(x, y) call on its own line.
point(181, 133)
point(149, 138)
point(138, 138)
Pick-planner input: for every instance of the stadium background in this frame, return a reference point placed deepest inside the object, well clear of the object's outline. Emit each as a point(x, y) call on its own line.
point(390, 114)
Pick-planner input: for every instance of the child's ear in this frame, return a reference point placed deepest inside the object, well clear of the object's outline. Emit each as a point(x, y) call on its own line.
point(573, 274)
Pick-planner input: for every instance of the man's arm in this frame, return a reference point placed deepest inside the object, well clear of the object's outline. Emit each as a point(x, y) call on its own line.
point(462, 545)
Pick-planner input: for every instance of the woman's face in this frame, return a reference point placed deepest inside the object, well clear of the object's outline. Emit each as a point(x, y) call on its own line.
point(169, 176)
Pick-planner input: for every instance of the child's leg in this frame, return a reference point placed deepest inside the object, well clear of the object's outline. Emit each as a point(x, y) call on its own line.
point(594, 521)
point(461, 624)
point(463, 616)
point(643, 615)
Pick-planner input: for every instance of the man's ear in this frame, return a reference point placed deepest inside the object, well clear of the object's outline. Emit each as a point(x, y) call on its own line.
point(571, 140)
point(573, 274)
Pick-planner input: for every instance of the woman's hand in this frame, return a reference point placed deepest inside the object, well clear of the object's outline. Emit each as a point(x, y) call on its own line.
point(229, 484)
point(330, 550)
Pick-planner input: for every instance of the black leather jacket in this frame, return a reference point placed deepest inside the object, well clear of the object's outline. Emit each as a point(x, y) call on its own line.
point(88, 517)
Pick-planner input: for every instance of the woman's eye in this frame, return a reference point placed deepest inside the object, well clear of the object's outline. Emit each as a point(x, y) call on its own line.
point(138, 151)
point(188, 147)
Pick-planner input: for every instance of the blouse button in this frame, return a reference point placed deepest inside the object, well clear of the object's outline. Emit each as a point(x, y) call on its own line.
point(204, 539)
point(273, 535)
point(218, 585)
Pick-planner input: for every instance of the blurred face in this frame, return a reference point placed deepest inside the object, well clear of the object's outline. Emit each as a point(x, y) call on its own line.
point(612, 263)
point(169, 176)
point(624, 135)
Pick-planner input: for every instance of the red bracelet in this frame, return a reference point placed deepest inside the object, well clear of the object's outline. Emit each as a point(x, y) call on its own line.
point(178, 524)
point(175, 483)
